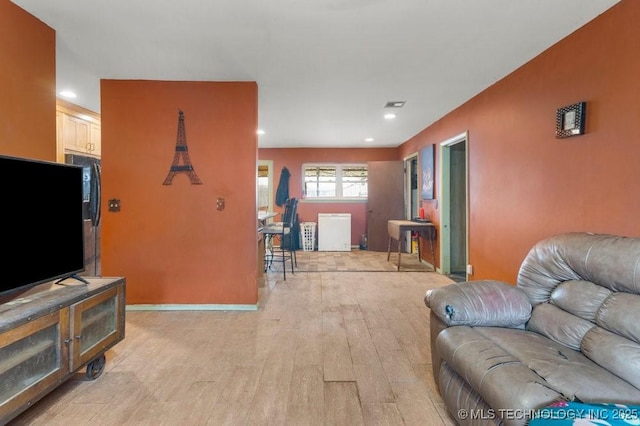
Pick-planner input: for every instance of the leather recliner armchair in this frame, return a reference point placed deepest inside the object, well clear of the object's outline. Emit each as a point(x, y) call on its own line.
point(569, 330)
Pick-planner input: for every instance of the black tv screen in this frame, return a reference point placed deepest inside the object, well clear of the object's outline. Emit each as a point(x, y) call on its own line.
point(41, 216)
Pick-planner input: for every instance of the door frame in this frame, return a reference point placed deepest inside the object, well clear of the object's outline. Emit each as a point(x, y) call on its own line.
point(269, 164)
point(445, 200)
point(408, 214)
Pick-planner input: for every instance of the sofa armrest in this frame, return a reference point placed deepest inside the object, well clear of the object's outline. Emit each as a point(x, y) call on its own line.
point(483, 303)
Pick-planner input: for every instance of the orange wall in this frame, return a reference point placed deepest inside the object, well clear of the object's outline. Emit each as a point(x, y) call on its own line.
point(174, 247)
point(308, 211)
point(28, 76)
point(169, 241)
point(524, 183)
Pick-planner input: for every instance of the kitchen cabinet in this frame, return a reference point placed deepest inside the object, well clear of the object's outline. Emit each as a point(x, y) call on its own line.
point(78, 130)
point(50, 333)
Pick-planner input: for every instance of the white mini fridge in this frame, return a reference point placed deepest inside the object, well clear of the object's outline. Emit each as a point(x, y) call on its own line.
point(334, 231)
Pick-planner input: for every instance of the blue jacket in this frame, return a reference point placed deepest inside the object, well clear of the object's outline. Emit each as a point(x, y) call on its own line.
point(282, 193)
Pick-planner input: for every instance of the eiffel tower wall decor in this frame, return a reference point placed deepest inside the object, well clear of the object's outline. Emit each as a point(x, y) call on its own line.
point(181, 161)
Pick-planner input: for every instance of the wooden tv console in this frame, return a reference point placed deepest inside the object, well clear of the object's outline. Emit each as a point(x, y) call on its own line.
point(51, 332)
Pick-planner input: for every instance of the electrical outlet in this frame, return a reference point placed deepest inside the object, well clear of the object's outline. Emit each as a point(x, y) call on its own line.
point(469, 269)
point(114, 205)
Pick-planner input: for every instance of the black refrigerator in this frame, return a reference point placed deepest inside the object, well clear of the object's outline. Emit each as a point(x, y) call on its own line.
point(91, 211)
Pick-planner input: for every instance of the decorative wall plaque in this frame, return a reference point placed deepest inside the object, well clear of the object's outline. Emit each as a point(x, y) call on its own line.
point(570, 120)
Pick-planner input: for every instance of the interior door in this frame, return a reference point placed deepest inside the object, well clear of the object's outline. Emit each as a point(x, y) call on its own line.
point(411, 195)
point(454, 207)
point(458, 211)
point(385, 200)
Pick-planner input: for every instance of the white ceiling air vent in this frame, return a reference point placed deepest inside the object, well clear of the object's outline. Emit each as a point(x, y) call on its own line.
point(395, 104)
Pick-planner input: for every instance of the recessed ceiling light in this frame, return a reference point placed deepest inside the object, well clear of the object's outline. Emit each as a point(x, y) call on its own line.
point(389, 116)
point(368, 140)
point(260, 132)
point(68, 94)
point(395, 104)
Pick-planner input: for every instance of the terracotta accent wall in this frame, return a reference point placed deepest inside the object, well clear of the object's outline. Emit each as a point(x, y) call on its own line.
point(293, 158)
point(28, 76)
point(524, 183)
point(170, 241)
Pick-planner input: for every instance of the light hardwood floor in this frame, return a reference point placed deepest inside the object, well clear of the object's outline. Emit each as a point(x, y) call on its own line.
point(324, 348)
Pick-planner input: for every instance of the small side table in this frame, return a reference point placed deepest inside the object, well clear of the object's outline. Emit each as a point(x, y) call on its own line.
point(397, 227)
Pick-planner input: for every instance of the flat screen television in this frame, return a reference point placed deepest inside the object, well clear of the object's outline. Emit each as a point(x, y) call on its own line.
point(42, 221)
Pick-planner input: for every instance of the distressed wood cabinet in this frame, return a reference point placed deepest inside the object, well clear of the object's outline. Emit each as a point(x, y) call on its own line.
point(47, 335)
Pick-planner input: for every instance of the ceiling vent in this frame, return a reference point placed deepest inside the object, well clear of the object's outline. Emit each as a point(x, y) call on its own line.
point(395, 104)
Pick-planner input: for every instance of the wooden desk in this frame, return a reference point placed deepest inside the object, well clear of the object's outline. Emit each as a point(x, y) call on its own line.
point(397, 227)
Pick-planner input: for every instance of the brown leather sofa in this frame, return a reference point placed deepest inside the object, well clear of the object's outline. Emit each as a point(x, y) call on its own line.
point(569, 330)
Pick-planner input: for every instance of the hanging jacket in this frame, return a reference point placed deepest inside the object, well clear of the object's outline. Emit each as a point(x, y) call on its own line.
point(282, 193)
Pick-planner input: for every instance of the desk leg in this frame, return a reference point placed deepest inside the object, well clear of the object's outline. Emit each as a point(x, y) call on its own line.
point(389, 249)
point(399, 252)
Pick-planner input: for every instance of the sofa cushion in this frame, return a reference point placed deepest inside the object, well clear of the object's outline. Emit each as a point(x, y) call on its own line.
point(615, 353)
point(490, 370)
point(535, 369)
point(558, 325)
point(581, 298)
point(620, 314)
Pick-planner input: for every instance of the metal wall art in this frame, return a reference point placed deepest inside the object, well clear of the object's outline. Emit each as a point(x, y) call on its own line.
point(181, 161)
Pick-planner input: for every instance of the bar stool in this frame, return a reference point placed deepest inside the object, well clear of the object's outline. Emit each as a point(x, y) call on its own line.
point(284, 231)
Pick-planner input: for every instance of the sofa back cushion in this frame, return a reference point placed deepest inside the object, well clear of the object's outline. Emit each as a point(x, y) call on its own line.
point(606, 260)
point(585, 292)
point(620, 314)
point(559, 325)
point(580, 298)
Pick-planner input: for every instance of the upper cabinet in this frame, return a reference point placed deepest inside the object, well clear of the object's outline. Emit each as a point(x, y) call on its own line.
point(78, 130)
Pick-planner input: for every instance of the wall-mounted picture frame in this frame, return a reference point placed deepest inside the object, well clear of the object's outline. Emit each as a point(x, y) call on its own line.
point(428, 173)
point(570, 120)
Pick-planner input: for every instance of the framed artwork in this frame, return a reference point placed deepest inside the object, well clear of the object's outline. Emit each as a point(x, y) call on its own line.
point(426, 166)
point(570, 120)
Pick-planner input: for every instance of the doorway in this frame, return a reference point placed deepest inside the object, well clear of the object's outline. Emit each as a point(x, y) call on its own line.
point(411, 196)
point(264, 191)
point(454, 220)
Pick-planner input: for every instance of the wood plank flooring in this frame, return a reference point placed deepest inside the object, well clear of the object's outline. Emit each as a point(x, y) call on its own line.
point(324, 348)
point(357, 260)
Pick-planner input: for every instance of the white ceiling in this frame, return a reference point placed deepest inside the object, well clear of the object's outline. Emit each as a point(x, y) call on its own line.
point(325, 68)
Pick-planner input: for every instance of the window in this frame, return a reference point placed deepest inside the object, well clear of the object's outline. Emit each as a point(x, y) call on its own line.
point(335, 181)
